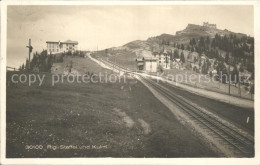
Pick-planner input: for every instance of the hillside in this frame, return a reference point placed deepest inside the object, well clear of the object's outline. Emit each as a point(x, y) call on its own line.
point(191, 31)
point(126, 54)
point(181, 37)
point(199, 31)
point(77, 66)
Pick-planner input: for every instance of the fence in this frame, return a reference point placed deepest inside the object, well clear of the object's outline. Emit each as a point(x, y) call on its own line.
point(11, 68)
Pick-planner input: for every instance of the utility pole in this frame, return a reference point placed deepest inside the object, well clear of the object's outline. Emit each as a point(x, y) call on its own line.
point(229, 78)
point(239, 90)
point(166, 61)
point(219, 78)
point(30, 50)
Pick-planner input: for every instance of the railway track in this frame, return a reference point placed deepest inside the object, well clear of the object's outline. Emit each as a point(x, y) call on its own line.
point(118, 67)
point(243, 145)
point(240, 143)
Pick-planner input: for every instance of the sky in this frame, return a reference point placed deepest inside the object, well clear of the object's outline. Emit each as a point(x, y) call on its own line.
point(109, 26)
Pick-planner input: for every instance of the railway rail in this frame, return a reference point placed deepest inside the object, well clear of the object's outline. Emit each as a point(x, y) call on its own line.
point(242, 145)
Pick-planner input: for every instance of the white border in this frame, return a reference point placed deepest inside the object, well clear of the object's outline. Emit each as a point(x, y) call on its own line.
point(229, 161)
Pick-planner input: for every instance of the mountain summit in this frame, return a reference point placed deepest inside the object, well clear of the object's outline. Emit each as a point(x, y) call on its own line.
point(193, 31)
point(205, 38)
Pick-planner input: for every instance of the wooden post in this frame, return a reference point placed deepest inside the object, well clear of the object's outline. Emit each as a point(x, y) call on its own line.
point(251, 91)
point(239, 90)
point(29, 53)
point(229, 79)
point(30, 50)
point(219, 78)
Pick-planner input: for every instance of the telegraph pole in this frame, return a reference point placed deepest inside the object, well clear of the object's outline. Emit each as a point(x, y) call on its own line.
point(239, 90)
point(219, 78)
point(30, 50)
point(229, 78)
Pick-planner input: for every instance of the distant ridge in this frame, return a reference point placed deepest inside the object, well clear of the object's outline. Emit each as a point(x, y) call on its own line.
point(181, 37)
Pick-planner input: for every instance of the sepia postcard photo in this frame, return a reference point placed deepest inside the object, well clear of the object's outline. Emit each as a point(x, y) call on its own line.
point(94, 82)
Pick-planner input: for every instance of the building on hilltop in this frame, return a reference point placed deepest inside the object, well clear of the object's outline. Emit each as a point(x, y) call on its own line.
point(54, 47)
point(206, 24)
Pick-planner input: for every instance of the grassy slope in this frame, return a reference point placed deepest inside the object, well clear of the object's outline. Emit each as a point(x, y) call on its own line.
point(123, 57)
point(82, 65)
point(127, 58)
point(82, 114)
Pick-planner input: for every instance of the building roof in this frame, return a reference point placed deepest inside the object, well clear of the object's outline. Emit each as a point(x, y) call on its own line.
point(150, 59)
point(65, 42)
point(52, 41)
point(139, 59)
point(214, 71)
point(165, 51)
point(177, 59)
point(244, 74)
point(70, 42)
point(203, 57)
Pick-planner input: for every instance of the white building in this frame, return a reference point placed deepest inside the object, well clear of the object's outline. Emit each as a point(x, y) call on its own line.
point(214, 26)
point(163, 59)
point(150, 64)
point(146, 62)
point(54, 47)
